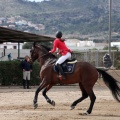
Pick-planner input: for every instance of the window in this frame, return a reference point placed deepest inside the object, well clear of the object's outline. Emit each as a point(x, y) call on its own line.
point(5, 47)
point(14, 47)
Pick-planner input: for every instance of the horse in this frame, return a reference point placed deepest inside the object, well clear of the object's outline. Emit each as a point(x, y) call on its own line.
point(85, 74)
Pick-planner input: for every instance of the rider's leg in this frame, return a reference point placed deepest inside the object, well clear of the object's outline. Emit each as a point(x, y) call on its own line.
point(61, 70)
point(60, 61)
point(63, 58)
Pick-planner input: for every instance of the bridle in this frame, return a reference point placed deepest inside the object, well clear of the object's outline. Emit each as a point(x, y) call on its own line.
point(39, 56)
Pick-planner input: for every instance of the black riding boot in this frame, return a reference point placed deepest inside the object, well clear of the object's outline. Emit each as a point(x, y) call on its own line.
point(28, 84)
point(24, 82)
point(61, 71)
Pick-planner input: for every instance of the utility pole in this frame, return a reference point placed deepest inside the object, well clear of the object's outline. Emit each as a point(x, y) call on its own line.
point(18, 50)
point(110, 6)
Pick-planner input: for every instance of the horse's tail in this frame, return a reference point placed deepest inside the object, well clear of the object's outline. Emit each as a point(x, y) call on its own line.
point(111, 83)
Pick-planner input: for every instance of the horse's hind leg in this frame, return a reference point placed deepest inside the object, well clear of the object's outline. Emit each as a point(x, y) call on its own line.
point(46, 97)
point(84, 96)
point(92, 99)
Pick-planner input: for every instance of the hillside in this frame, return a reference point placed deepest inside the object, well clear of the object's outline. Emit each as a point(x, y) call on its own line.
point(70, 16)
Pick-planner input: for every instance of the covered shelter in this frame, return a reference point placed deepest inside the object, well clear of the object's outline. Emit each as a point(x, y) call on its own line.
point(10, 35)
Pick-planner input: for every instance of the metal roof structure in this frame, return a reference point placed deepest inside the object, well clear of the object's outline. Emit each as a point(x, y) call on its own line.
point(10, 35)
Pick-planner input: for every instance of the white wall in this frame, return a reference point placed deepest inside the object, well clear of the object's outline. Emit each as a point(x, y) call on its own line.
point(115, 44)
point(14, 52)
point(78, 43)
point(10, 45)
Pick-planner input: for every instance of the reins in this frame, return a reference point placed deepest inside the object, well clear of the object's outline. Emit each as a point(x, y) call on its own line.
point(43, 55)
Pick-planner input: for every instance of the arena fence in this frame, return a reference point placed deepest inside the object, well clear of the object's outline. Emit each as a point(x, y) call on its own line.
point(95, 57)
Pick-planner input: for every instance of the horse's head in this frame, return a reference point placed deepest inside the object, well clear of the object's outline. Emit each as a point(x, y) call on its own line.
point(33, 55)
point(41, 52)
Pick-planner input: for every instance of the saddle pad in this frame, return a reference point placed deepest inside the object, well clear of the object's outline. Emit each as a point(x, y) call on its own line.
point(67, 68)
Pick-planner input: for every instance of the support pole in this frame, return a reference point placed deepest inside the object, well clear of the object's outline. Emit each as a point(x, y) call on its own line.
point(18, 50)
point(110, 6)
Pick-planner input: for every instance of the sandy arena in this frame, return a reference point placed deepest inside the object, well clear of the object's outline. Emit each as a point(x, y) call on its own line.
point(16, 104)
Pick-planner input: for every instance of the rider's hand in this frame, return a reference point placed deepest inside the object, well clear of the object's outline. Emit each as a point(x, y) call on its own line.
point(57, 53)
point(50, 52)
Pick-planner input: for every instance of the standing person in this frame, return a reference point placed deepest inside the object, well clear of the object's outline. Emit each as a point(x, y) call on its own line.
point(63, 50)
point(9, 57)
point(27, 69)
point(107, 61)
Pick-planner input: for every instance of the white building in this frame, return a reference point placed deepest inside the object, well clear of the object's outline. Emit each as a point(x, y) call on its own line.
point(117, 44)
point(9, 45)
point(71, 42)
point(78, 43)
point(86, 44)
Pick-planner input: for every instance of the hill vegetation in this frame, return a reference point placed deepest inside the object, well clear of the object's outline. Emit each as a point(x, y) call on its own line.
point(70, 16)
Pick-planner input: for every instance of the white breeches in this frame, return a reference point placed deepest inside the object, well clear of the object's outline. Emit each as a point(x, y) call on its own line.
point(26, 75)
point(63, 58)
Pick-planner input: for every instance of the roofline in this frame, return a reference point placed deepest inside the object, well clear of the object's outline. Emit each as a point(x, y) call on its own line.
point(10, 35)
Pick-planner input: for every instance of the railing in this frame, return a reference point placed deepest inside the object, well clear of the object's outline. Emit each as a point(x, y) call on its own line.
point(96, 57)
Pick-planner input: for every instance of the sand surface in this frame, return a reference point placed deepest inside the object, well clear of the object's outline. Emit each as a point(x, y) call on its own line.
point(17, 104)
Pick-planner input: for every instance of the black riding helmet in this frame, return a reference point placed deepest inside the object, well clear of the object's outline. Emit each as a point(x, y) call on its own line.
point(58, 34)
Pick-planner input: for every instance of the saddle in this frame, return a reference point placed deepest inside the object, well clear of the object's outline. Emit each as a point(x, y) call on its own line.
point(67, 66)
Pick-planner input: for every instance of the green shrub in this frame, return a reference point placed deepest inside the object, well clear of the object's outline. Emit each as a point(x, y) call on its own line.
point(11, 73)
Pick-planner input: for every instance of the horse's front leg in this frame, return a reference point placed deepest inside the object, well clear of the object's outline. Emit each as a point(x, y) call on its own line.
point(41, 86)
point(46, 97)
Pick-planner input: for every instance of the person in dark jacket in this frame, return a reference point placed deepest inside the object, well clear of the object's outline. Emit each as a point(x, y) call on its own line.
point(9, 57)
point(27, 69)
point(107, 61)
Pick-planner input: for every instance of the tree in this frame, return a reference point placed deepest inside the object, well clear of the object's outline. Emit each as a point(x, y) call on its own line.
point(112, 48)
point(29, 45)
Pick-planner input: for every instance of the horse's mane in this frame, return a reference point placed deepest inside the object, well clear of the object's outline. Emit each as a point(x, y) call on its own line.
point(48, 49)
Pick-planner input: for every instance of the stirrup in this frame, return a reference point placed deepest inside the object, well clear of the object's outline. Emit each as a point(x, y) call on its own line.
point(61, 77)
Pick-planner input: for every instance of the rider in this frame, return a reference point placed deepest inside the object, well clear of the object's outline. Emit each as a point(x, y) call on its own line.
point(63, 50)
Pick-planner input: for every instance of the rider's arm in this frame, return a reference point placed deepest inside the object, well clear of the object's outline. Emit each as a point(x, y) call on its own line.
point(54, 47)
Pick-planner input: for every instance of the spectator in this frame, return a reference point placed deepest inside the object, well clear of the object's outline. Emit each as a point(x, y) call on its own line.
point(9, 57)
point(27, 69)
point(107, 61)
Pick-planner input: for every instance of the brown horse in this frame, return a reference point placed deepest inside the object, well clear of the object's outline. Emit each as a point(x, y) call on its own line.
point(84, 74)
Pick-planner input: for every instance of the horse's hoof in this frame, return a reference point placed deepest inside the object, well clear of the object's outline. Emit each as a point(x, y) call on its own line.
point(35, 105)
point(72, 107)
point(53, 103)
point(85, 113)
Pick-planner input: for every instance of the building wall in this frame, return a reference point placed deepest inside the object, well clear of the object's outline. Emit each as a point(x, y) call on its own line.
point(9, 45)
point(14, 52)
point(78, 43)
point(117, 44)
